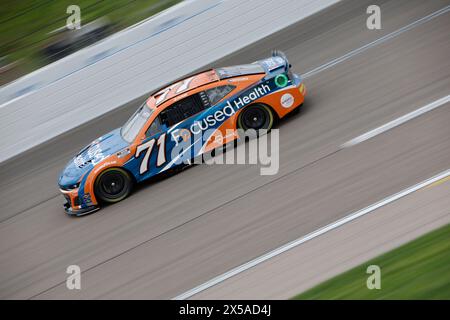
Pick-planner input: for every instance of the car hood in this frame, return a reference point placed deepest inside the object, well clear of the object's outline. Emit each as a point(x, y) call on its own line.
point(89, 156)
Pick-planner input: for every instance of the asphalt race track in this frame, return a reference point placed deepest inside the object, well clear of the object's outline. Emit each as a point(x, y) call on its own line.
point(174, 234)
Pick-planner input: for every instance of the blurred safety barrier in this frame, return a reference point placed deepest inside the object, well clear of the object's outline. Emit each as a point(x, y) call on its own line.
point(133, 62)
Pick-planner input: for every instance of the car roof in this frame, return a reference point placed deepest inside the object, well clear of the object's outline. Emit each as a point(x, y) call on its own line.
point(182, 86)
point(200, 79)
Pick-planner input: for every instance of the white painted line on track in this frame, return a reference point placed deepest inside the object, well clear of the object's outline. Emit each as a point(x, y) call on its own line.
point(385, 38)
point(396, 122)
point(310, 236)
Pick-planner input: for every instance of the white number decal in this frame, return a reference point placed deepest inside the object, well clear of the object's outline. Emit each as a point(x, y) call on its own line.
point(161, 150)
point(163, 93)
point(149, 146)
point(161, 158)
point(185, 84)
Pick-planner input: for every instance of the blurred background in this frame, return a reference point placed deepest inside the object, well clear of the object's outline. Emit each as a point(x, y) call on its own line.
point(33, 33)
point(174, 236)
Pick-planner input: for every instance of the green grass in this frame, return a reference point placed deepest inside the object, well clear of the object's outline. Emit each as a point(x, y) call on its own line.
point(25, 24)
point(417, 270)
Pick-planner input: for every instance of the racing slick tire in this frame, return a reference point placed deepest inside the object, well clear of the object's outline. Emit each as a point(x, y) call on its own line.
point(256, 117)
point(113, 185)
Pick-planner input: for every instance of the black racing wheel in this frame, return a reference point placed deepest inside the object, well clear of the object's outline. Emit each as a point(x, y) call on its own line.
point(257, 117)
point(113, 185)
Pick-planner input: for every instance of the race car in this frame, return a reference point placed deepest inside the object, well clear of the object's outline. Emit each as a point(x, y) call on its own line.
point(179, 123)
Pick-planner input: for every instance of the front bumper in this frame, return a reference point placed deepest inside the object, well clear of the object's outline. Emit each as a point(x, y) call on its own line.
point(79, 212)
point(73, 207)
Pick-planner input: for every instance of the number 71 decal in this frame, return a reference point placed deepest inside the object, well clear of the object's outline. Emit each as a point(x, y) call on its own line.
point(161, 157)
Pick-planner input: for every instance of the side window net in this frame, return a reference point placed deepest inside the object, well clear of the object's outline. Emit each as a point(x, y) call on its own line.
point(181, 110)
point(216, 94)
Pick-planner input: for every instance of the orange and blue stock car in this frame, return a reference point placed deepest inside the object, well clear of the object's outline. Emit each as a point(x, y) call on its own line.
point(179, 123)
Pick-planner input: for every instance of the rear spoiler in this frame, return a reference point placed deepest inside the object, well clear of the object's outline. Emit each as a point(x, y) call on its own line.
point(282, 55)
point(278, 61)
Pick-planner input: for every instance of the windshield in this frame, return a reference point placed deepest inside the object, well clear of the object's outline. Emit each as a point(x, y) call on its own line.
point(132, 127)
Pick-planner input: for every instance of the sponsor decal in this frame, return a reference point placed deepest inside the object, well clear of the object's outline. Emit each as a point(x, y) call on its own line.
point(185, 134)
point(123, 153)
point(103, 165)
point(229, 109)
point(94, 154)
point(287, 100)
point(221, 115)
point(281, 80)
point(87, 199)
point(79, 161)
point(203, 133)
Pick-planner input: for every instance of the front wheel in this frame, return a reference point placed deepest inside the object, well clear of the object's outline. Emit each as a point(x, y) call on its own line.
point(113, 185)
point(256, 117)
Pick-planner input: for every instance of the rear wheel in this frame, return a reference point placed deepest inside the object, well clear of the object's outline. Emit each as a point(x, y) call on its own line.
point(113, 185)
point(256, 117)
